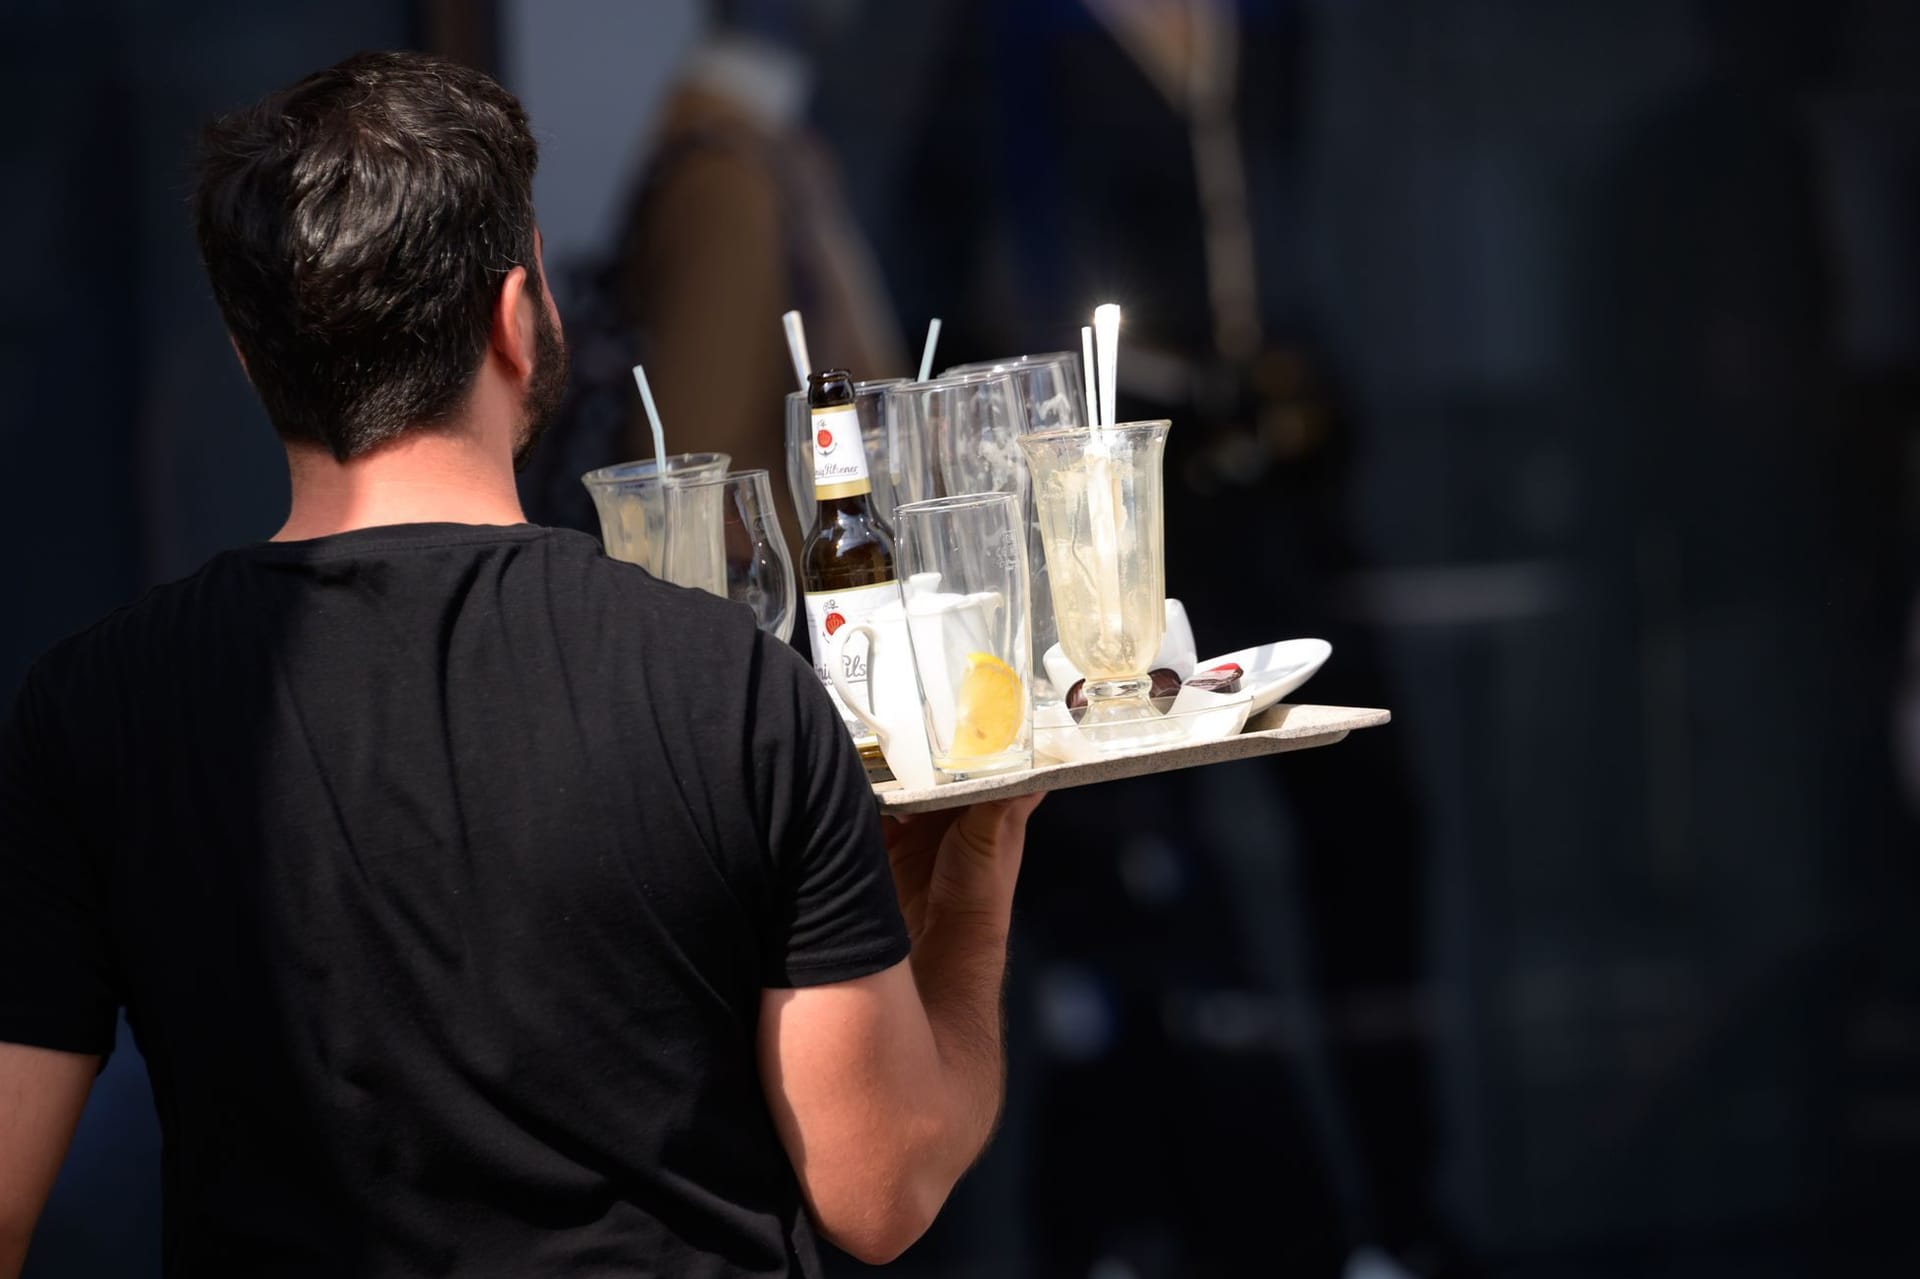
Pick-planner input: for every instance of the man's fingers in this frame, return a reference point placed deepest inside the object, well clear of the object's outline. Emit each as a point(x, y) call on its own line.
point(1013, 813)
point(982, 827)
point(923, 834)
point(1022, 807)
point(985, 827)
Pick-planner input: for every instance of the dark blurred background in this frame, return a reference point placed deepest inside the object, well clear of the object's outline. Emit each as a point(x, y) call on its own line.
point(1559, 362)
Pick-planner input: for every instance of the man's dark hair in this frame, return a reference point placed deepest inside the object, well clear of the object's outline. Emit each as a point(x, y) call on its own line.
point(357, 227)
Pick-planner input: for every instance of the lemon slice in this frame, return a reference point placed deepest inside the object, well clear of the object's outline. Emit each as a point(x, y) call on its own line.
point(989, 708)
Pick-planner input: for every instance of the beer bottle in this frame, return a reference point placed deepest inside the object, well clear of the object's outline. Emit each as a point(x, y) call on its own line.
point(846, 562)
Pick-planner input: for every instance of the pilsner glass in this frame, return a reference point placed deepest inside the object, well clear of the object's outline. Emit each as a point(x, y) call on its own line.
point(757, 569)
point(963, 578)
point(899, 461)
point(975, 421)
point(633, 504)
point(1052, 389)
point(1098, 493)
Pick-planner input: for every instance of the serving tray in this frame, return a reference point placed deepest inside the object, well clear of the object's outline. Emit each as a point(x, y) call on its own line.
point(1286, 727)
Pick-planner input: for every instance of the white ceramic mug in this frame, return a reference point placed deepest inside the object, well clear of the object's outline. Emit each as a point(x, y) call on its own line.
point(943, 627)
point(895, 715)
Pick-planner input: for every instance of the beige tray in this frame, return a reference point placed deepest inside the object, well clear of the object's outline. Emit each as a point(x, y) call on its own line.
point(1285, 727)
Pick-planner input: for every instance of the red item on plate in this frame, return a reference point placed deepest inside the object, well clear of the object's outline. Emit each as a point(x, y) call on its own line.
point(1224, 678)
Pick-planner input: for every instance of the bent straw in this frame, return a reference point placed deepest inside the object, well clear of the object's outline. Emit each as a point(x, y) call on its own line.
point(926, 356)
point(797, 346)
point(653, 420)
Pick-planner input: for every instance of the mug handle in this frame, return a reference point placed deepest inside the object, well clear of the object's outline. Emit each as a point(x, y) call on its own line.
point(836, 671)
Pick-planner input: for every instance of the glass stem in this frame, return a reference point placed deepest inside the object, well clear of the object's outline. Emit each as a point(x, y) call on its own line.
point(1117, 701)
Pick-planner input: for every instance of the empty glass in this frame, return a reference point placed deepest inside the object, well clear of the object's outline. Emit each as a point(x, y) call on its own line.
point(1099, 497)
point(963, 577)
point(899, 459)
point(756, 568)
point(1052, 390)
point(975, 421)
point(633, 503)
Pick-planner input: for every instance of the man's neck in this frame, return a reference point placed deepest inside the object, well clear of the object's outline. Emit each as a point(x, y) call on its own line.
point(428, 477)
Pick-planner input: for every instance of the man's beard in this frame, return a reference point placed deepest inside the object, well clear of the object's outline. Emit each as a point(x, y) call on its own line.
point(548, 388)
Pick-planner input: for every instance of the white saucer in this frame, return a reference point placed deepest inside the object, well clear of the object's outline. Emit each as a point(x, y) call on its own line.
point(1271, 671)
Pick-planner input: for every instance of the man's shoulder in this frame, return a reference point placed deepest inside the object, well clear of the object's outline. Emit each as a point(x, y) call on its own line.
point(128, 628)
point(705, 639)
point(658, 604)
point(615, 604)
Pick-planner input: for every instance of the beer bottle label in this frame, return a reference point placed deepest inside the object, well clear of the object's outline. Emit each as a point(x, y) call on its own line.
point(828, 613)
point(839, 455)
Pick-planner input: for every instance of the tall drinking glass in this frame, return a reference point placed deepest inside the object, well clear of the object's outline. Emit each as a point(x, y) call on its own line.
point(975, 421)
point(1052, 387)
point(756, 568)
point(963, 575)
point(1098, 493)
point(633, 505)
point(899, 459)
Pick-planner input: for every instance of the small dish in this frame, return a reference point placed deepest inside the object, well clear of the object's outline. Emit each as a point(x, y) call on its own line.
point(1196, 716)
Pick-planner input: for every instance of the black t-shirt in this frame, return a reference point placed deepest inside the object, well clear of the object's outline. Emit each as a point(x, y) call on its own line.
point(440, 869)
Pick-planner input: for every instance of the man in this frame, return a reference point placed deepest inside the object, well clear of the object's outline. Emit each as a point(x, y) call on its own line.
point(481, 906)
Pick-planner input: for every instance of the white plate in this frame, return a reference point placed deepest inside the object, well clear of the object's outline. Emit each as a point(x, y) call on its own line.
point(1271, 671)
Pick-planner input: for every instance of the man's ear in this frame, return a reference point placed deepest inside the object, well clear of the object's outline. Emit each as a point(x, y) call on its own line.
point(239, 355)
point(512, 333)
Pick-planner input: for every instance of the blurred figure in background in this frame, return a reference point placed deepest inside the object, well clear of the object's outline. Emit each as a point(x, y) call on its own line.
point(737, 218)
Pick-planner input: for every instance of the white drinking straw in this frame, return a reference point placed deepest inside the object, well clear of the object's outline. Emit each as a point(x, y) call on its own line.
point(1087, 375)
point(797, 347)
point(653, 420)
point(1106, 344)
point(1103, 506)
point(926, 354)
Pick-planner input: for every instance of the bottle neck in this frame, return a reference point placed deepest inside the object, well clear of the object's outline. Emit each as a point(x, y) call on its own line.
point(833, 507)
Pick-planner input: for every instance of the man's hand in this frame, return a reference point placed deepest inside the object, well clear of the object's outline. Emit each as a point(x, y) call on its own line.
point(41, 1096)
point(959, 865)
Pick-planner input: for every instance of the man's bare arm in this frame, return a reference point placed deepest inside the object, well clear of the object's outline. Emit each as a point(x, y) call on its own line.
point(41, 1095)
point(885, 1089)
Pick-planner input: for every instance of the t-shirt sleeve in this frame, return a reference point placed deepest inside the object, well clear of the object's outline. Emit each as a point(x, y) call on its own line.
point(56, 984)
point(834, 913)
